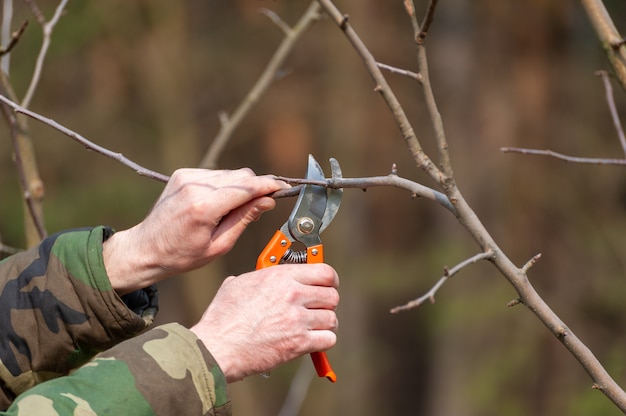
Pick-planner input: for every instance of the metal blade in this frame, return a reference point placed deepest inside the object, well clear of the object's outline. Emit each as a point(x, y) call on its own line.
point(310, 208)
point(333, 196)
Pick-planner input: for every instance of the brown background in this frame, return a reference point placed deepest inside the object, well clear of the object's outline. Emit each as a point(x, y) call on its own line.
point(149, 78)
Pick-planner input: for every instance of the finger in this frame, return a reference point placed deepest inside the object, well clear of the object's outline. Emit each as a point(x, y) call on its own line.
point(321, 340)
point(319, 297)
point(318, 274)
point(322, 319)
point(235, 194)
point(235, 222)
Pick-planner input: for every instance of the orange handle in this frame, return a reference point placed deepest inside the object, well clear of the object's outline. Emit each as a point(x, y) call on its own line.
point(315, 254)
point(273, 251)
point(270, 256)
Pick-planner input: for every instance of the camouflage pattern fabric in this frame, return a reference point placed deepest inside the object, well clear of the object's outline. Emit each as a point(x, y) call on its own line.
point(57, 310)
point(165, 371)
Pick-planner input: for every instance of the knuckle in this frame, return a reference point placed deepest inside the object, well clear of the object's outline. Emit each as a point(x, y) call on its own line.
point(247, 171)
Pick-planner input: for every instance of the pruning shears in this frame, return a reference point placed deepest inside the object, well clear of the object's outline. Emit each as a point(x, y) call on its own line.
point(314, 210)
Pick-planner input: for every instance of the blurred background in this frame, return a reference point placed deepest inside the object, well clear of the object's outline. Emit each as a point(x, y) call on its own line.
point(149, 79)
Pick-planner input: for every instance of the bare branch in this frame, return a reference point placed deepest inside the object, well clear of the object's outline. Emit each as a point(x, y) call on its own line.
point(566, 158)
point(414, 75)
point(448, 273)
point(407, 131)
point(5, 33)
point(409, 6)
point(420, 38)
point(612, 109)
point(47, 29)
point(230, 124)
point(88, 144)
point(26, 165)
point(416, 189)
point(530, 263)
point(468, 218)
point(15, 37)
point(610, 38)
point(36, 11)
point(274, 17)
point(21, 173)
point(419, 32)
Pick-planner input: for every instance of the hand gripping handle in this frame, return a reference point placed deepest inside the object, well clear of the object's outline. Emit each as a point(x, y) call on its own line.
point(270, 256)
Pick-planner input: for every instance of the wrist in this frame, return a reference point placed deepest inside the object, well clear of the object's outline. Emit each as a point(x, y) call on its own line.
point(127, 267)
point(223, 360)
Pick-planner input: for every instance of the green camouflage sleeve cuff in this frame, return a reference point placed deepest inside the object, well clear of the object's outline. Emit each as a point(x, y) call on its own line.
point(165, 371)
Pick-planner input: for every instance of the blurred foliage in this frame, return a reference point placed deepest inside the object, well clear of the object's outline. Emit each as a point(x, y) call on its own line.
point(148, 79)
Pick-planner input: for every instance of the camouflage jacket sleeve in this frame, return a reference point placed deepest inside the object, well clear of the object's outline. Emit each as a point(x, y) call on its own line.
point(165, 371)
point(57, 310)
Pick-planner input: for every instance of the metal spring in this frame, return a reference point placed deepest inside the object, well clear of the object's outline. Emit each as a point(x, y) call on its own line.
point(294, 257)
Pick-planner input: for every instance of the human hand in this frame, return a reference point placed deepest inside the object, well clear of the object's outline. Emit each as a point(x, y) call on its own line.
point(265, 318)
point(198, 217)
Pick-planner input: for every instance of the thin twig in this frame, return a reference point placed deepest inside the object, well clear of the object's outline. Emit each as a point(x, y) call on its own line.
point(448, 273)
point(36, 11)
point(612, 109)
point(420, 37)
point(229, 124)
point(15, 37)
point(274, 17)
point(47, 29)
point(561, 156)
point(431, 104)
point(530, 263)
point(88, 144)
point(414, 75)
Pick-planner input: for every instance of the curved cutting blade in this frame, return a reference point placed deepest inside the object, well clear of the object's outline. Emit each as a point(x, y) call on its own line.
point(333, 196)
point(316, 205)
point(305, 220)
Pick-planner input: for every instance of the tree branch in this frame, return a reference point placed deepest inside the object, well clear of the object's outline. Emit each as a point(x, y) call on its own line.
point(381, 86)
point(561, 156)
point(414, 75)
point(393, 180)
point(15, 37)
point(88, 144)
point(420, 37)
point(467, 217)
point(5, 33)
point(610, 38)
point(585, 160)
point(419, 32)
point(448, 273)
point(229, 124)
point(612, 109)
point(26, 165)
point(47, 29)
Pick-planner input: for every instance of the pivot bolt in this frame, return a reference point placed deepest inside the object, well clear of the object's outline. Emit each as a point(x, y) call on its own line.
point(305, 225)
